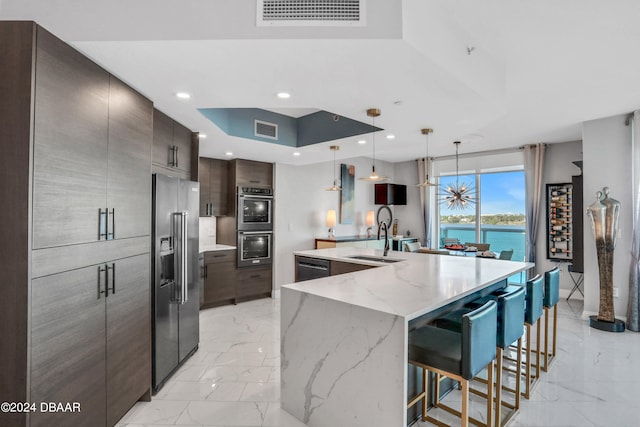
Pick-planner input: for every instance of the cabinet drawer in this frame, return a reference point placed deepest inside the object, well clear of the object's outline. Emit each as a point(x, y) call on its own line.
point(216, 257)
point(219, 284)
point(253, 282)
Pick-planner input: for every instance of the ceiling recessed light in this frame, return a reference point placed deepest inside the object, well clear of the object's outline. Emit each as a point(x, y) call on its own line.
point(296, 153)
point(284, 95)
point(183, 95)
point(362, 141)
point(202, 135)
point(391, 136)
point(229, 153)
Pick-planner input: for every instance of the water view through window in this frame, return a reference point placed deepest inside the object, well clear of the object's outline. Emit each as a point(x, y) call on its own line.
point(497, 217)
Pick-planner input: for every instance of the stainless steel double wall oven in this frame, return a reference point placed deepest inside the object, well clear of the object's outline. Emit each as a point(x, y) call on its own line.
point(255, 226)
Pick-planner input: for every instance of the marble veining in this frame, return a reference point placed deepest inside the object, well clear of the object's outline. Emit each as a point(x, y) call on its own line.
point(410, 288)
point(576, 392)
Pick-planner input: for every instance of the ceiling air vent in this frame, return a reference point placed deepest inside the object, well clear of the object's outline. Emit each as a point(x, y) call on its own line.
point(336, 13)
point(266, 129)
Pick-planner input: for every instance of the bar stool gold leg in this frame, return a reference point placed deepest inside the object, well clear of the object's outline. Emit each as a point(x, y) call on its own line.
point(538, 349)
point(546, 340)
point(498, 413)
point(425, 388)
point(527, 386)
point(555, 328)
point(489, 394)
point(518, 375)
point(465, 402)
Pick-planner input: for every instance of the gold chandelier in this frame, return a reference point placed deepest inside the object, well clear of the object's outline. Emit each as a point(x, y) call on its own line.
point(457, 196)
point(335, 186)
point(426, 183)
point(374, 177)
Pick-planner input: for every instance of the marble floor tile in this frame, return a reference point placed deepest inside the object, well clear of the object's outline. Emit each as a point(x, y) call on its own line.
point(234, 377)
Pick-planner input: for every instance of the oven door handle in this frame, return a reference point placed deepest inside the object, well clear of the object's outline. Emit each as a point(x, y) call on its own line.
point(255, 232)
point(256, 196)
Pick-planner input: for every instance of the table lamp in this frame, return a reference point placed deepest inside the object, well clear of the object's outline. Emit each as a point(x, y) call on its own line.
point(331, 221)
point(369, 221)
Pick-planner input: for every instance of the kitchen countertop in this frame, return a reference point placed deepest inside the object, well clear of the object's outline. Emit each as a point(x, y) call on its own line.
point(336, 332)
point(212, 248)
point(416, 285)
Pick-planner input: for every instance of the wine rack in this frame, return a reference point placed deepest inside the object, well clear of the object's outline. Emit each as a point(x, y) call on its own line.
point(559, 222)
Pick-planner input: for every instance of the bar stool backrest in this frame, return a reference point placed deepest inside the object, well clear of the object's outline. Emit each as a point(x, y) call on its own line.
point(551, 287)
point(533, 299)
point(511, 321)
point(478, 339)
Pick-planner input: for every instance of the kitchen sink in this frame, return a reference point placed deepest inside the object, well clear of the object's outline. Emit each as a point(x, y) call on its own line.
point(375, 258)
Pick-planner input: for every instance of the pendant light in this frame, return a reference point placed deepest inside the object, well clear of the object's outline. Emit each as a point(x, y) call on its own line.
point(374, 177)
point(426, 183)
point(335, 186)
point(460, 195)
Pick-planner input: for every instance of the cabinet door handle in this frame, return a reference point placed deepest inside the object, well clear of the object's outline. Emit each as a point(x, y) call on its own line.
point(100, 291)
point(255, 276)
point(172, 156)
point(254, 181)
point(102, 224)
point(111, 234)
point(206, 271)
point(113, 279)
point(175, 148)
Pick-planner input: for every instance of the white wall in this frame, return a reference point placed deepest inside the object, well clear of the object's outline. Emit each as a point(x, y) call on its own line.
point(558, 168)
point(606, 147)
point(409, 216)
point(301, 205)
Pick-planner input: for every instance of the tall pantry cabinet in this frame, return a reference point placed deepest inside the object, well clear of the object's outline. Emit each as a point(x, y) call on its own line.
point(75, 181)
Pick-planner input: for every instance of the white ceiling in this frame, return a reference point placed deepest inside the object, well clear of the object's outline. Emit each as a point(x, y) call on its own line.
point(536, 71)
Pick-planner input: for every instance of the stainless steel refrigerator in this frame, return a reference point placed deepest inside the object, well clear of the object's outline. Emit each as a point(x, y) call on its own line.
point(175, 274)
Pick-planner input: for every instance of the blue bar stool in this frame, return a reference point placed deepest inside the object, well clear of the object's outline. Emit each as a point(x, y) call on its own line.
point(457, 355)
point(551, 298)
point(532, 313)
point(511, 302)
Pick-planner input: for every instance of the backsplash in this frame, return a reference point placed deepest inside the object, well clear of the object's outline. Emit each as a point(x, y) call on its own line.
point(207, 231)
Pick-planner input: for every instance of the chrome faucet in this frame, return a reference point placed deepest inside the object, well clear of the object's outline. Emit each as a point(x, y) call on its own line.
point(386, 236)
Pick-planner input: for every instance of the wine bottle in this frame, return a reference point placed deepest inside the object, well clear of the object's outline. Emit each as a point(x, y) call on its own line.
point(560, 250)
point(559, 239)
point(557, 221)
point(558, 193)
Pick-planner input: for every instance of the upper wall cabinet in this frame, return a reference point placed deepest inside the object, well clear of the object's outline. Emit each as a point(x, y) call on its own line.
point(92, 146)
point(173, 145)
point(213, 178)
point(249, 173)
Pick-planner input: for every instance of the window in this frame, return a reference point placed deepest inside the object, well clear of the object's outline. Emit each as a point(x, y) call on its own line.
point(497, 217)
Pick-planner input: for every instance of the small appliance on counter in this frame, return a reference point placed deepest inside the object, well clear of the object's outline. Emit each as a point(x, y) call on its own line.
point(175, 278)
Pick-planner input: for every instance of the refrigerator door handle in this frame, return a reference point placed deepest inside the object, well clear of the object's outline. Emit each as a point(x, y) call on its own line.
point(181, 260)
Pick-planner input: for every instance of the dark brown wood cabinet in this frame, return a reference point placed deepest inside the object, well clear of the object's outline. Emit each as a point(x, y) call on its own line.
point(76, 146)
point(213, 178)
point(173, 146)
point(339, 267)
point(219, 278)
point(128, 183)
point(68, 345)
point(250, 173)
point(70, 137)
point(253, 282)
point(128, 335)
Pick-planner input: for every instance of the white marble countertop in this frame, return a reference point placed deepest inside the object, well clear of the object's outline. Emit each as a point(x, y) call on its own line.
point(211, 248)
point(410, 288)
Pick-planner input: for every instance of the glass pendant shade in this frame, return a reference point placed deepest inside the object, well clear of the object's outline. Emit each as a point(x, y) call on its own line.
point(426, 183)
point(374, 177)
point(335, 186)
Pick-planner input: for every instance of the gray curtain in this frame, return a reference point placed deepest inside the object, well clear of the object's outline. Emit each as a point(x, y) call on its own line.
point(633, 309)
point(533, 169)
point(424, 164)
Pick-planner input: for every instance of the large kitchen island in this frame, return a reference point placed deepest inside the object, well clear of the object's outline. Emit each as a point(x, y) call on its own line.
point(344, 337)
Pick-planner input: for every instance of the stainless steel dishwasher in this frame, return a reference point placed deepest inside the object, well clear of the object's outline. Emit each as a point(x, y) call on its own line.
point(311, 268)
